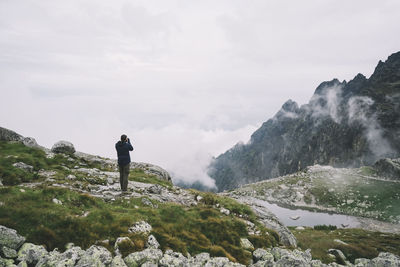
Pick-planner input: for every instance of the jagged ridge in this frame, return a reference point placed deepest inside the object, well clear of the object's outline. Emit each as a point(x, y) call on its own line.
point(344, 124)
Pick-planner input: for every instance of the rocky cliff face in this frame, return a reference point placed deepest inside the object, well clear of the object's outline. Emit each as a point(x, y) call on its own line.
point(344, 124)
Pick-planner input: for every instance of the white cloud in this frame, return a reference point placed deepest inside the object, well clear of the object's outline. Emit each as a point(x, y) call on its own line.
point(88, 70)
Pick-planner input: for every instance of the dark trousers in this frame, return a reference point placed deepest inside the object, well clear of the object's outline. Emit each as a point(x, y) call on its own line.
point(123, 176)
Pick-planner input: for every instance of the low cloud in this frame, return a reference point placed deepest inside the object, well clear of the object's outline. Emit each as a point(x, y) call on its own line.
point(326, 103)
point(359, 111)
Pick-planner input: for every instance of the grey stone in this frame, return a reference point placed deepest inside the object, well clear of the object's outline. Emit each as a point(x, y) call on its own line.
point(225, 211)
point(199, 259)
point(317, 263)
point(147, 202)
point(56, 201)
point(159, 172)
point(361, 262)
point(278, 253)
point(140, 227)
point(31, 253)
point(23, 166)
point(217, 262)
point(118, 262)
point(171, 258)
point(8, 253)
point(291, 260)
point(9, 238)
point(7, 263)
point(152, 242)
point(262, 255)
point(385, 259)
point(8, 135)
point(155, 189)
point(246, 244)
point(138, 258)
point(149, 264)
point(340, 257)
point(95, 256)
point(118, 243)
point(63, 147)
point(30, 142)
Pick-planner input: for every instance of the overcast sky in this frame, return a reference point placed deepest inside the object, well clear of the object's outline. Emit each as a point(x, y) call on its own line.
point(184, 79)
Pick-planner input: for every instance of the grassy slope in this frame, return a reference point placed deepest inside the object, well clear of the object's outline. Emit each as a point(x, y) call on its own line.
point(360, 243)
point(85, 220)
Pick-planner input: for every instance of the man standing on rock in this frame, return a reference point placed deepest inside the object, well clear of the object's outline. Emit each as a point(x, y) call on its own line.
point(123, 147)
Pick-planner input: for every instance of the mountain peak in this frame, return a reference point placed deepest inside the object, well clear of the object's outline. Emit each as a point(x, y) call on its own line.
point(388, 71)
point(327, 84)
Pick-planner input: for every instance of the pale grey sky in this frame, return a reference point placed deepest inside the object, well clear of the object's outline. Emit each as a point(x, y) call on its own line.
point(185, 79)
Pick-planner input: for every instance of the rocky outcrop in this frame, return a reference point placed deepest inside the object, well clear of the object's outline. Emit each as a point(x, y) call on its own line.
point(8, 135)
point(34, 255)
point(153, 170)
point(63, 147)
point(389, 168)
point(344, 124)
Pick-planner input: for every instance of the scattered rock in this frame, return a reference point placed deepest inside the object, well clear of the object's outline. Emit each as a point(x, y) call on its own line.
point(171, 258)
point(340, 257)
point(246, 244)
point(148, 255)
point(95, 256)
point(64, 147)
point(155, 189)
point(10, 239)
point(118, 262)
point(225, 211)
point(71, 177)
point(30, 142)
point(300, 228)
point(23, 166)
point(140, 227)
point(22, 190)
point(152, 242)
point(123, 243)
point(31, 253)
point(147, 202)
point(262, 255)
point(8, 253)
point(56, 201)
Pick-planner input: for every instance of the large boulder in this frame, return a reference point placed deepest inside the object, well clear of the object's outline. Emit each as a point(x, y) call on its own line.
point(63, 147)
point(389, 168)
point(31, 253)
point(10, 239)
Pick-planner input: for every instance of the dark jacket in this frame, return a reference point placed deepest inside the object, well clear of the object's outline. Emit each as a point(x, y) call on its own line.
point(123, 149)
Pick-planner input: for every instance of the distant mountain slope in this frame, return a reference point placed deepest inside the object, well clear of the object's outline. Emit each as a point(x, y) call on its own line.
point(344, 124)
